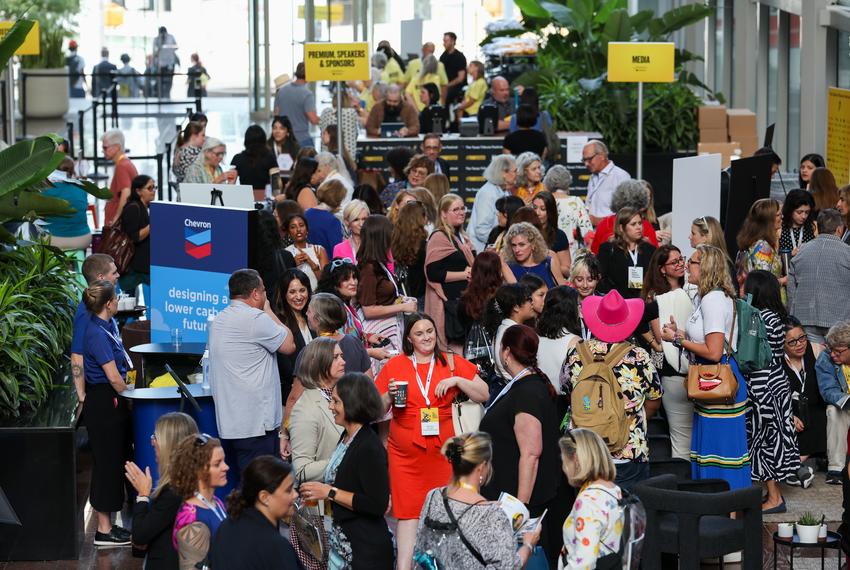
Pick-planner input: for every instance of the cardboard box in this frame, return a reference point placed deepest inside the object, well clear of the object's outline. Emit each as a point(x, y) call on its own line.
point(740, 122)
point(713, 136)
point(712, 117)
point(725, 150)
point(748, 145)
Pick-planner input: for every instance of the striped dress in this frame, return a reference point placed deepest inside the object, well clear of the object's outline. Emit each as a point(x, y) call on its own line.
point(770, 422)
point(719, 439)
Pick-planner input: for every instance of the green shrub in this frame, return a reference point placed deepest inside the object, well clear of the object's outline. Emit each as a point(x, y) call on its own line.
point(38, 297)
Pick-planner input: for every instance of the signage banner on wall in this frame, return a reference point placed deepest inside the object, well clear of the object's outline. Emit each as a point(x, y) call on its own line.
point(336, 62)
point(31, 45)
point(641, 62)
point(838, 134)
point(194, 250)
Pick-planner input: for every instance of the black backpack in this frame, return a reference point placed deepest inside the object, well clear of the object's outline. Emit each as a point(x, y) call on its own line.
point(75, 68)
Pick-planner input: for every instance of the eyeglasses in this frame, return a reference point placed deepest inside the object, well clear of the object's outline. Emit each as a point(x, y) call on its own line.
point(692, 261)
point(589, 158)
point(792, 342)
point(151, 188)
point(838, 352)
point(222, 153)
point(336, 263)
point(676, 262)
point(202, 439)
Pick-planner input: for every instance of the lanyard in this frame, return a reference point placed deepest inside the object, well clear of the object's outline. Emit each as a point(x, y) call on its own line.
point(801, 374)
point(585, 332)
point(795, 241)
point(426, 388)
point(121, 346)
point(634, 256)
point(391, 277)
point(508, 387)
point(214, 506)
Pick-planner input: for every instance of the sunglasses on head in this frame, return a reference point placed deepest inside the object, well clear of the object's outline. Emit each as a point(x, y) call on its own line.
point(337, 263)
point(202, 439)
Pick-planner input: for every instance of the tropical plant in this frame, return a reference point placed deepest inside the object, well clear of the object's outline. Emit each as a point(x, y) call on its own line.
point(55, 25)
point(808, 518)
point(572, 71)
point(37, 291)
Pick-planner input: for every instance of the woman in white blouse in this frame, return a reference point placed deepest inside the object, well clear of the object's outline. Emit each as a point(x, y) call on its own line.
point(573, 218)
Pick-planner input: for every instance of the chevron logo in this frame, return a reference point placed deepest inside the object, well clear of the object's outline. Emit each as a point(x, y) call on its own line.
point(198, 241)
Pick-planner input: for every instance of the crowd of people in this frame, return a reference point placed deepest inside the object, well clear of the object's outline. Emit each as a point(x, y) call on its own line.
point(379, 310)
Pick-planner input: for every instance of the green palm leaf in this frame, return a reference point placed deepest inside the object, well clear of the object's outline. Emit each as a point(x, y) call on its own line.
point(28, 162)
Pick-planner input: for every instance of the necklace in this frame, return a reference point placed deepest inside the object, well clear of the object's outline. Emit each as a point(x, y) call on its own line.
point(467, 486)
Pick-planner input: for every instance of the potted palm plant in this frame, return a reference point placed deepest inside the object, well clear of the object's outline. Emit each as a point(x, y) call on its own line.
point(46, 89)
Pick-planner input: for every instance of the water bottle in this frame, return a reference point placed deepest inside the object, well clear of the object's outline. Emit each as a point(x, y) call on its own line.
point(205, 359)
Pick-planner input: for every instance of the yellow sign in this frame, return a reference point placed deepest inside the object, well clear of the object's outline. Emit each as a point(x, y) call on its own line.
point(838, 134)
point(641, 62)
point(321, 13)
point(336, 62)
point(31, 45)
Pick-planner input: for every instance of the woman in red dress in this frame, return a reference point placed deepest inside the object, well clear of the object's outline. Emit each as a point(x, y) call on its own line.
point(418, 429)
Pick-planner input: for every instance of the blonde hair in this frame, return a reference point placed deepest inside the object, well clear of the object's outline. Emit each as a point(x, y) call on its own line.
point(392, 213)
point(711, 229)
point(713, 271)
point(593, 461)
point(424, 196)
point(446, 204)
point(171, 429)
point(353, 209)
point(331, 192)
point(465, 452)
point(539, 248)
point(438, 185)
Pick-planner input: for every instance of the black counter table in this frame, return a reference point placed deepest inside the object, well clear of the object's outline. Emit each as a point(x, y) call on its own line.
point(468, 157)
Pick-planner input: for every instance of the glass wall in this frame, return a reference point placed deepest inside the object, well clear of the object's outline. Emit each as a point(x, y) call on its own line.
point(843, 59)
point(772, 64)
point(794, 91)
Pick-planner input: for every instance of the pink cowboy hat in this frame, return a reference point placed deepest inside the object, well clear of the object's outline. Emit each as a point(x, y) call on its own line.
point(612, 318)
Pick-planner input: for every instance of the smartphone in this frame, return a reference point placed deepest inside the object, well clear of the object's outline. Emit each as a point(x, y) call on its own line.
point(384, 342)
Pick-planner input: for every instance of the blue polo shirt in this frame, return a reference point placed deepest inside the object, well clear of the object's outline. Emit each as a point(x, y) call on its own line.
point(102, 345)
point(82, 318)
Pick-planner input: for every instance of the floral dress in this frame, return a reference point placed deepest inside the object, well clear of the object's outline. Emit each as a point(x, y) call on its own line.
point(762, 256)
point(574, 220)
point(639, 382)
point(593, 528)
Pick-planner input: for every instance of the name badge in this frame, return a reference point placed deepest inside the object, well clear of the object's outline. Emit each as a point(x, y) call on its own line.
point(635, 277)
point(429, 420)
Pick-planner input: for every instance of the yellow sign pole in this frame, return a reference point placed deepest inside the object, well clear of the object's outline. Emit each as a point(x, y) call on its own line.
point(337, 62)
point(641, 62)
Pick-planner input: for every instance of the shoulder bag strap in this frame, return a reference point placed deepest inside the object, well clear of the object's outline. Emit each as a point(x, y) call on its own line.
point(463, 539)
point(732, 332)
point(450, 357)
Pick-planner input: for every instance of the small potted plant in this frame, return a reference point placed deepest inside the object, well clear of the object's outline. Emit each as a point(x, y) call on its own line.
point(808, 526)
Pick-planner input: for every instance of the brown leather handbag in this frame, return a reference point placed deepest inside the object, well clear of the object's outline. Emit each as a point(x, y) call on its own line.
point(714, 383)
point(114, 242)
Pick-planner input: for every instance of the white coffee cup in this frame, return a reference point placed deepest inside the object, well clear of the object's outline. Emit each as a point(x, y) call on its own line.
point(785, 530)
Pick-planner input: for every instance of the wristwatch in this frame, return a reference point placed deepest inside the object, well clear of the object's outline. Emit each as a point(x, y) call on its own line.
point(332, 494)
point(677, 342)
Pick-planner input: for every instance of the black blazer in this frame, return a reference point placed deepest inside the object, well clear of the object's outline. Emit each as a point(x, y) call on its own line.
point(444, 167)
point(152, 525)
point(251, 542)
point(286, 363)
point(364, 471)
point(615, 263)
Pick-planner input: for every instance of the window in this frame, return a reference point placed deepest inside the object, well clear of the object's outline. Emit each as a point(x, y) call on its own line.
point(772, 64)
point(842, 57)
point(794, 90)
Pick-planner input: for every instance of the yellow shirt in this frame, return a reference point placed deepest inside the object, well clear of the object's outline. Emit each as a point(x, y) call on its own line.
point(846, 370)
point(528, 193)
point(416, 64)
point(476, 92)
point(392, 73)
point(413, 88)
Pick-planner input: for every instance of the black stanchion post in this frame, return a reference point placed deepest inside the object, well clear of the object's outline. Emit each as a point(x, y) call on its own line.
point(80, 124)
point(197, 104)
point(69, 126)
point(159, 175)
point(103, 111)
point(94, 133)
point(3, 109)
point(114, 94)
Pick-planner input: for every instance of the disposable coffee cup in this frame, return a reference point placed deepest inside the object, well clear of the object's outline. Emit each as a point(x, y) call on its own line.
point(400, 400)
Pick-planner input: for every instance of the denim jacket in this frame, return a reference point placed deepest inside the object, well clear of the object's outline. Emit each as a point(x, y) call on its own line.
point(831, 381)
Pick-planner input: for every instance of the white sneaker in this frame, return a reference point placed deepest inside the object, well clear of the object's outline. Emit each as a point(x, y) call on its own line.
point(732, 557)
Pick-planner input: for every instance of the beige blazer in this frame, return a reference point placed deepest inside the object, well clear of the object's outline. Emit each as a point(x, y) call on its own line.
point(313, 434)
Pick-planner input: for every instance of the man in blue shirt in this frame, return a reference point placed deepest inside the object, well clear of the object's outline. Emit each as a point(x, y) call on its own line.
point(96, 266)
